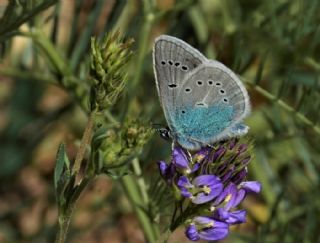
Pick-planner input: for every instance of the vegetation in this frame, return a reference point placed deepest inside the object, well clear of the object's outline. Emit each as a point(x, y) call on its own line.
point(78, 151)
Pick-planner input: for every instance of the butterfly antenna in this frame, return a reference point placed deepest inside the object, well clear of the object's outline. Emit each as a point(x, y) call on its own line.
point(158, 127)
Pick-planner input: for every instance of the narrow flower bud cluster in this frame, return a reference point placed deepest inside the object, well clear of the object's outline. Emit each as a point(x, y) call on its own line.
point(108, 59)
point(119, 145)
point(211, 184)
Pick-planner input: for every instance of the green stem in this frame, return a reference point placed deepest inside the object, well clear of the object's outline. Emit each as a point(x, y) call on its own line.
point(50, 50)
point(64, 222)
point(143, 190)
point(126, 16)
point(110, 117)
point(285, 106)
point(16, 73)
point(66, 211)
point(140, 182)
point(80, 183)
point(313, 63)
point(131, 189)
point(143, 42)
point(85, 141)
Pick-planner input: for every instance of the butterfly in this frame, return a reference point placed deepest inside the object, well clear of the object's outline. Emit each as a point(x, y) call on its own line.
point(203, 101)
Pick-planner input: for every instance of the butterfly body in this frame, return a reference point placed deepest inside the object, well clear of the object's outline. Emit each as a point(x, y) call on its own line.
point(203, 100)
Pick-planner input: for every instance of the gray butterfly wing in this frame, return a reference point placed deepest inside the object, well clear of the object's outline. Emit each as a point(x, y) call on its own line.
point(212, 102)
point(173, 59)
point(214, 83)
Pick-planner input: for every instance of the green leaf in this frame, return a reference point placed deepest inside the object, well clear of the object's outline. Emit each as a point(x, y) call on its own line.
point(62, 164)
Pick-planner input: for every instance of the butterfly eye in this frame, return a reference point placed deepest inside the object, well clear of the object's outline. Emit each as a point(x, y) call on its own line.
point(199, 82)
point(222, 91)
point(177, 64)
point(165, 133)
point(184, 68)
point(210, 82)
point(170, 63)
point(188, 90)
point(163, 62)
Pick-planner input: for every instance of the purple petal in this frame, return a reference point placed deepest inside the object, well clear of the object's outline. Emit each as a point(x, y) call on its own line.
point(232, 196)
point(206, 180)
point(180, 159)
point(214, 185)
point(192, 233)
point(251, 186)
point(167, 171)
point(195, 167)
point(185, 193)
point(239, 197)
point(221, 196)
point(201, 197)
point(183, 182)
point(221, 214)
point(212, 229)
point(219, 231)
point(237, 217)
point(203, 220)
point(229, 191)
point(183, 185)
point(163, 168)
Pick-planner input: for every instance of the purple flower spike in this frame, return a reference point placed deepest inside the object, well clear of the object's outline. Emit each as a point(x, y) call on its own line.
point(210, 186)
point(251, 186)
point(180, 159)
point(206, 228)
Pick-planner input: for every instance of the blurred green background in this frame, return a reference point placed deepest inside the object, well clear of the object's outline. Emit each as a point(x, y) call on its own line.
point(274, 45)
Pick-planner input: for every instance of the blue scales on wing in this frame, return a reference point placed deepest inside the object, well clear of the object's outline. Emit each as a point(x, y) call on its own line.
point(196, 125)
